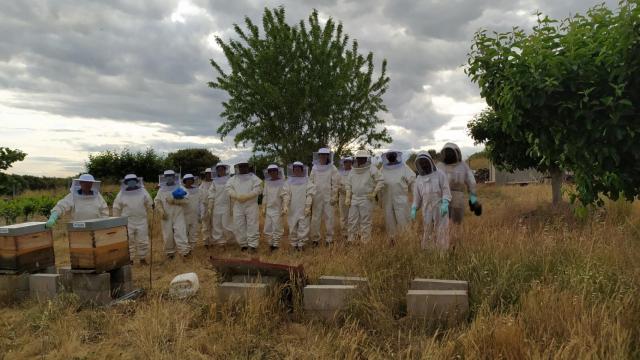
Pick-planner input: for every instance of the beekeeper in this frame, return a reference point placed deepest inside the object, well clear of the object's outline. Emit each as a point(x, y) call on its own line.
point(170, 204)
point(325, 177)
point(206, 215)
point(219, 206)
point(460, 179)
point(363, 185)
point(84, 202)
point(301, 191)
point(275, 202)
point(134, 202)
point(193, 212)
point(432, 195)
point(398, 183)
point(344, 169)
point(244, 188)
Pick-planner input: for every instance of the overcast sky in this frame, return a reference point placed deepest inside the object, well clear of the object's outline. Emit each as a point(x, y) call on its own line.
point(79, 76)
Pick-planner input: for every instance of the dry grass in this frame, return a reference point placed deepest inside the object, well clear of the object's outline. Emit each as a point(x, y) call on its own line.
point(542, 285)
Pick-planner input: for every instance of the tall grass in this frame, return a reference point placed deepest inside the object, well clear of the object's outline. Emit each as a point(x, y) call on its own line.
point(542, 285)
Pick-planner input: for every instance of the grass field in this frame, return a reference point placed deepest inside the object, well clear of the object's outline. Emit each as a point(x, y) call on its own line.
point(542, 285)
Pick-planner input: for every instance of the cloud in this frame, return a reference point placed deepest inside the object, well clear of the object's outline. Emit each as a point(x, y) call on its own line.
point(133, 64)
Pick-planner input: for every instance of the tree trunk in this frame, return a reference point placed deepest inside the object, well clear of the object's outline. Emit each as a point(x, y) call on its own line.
point(556, 185)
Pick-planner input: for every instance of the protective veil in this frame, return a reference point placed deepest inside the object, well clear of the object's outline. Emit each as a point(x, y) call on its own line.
point(300, 196)
point(363, 184)
point(134, 202)
point(326, 179)
point(171, 211)
point(193, 211)
point(343, 209)
point(431, 194)
point(460, 177)
point(398, 182)
point(275, 200)
point(219, 206)
point(82, 206)
point(244, 190)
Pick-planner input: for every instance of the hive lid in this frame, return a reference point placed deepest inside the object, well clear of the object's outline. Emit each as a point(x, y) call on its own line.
point(22, 229)
point(97, 224)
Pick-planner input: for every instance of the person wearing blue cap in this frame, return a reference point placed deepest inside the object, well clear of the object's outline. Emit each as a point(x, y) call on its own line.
point(84, 202)
point(170, 203)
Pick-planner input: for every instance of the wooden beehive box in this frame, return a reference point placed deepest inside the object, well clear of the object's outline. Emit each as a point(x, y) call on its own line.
point(26, 247)
point(99, 244)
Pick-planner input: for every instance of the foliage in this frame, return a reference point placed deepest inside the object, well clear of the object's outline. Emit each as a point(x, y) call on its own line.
point(559, 90)
point(10, 156)
point(27, 207)
point(112, 165)
point(294, 89)
point(191, 161)
point(10, 183)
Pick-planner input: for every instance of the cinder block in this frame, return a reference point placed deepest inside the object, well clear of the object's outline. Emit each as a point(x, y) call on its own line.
point(326, 300)
point(436, 284)
point(269, 280)
point(14, 287)
point(92, 288)
point(44, 286)
point(343, 280)
point(448, 305)
point(231, 291)
point(121, 281)
point(65, 277)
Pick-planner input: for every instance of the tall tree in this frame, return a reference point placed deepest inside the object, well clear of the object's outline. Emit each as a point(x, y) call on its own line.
point(567, 95)
point(112, 165)
point(293, 89)
point(193, 161)
point(10, 156)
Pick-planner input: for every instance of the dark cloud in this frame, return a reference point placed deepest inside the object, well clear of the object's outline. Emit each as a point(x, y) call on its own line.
point(126, 60)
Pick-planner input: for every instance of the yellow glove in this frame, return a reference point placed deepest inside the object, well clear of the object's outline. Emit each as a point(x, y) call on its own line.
point(372, 196)
point(285, 210)
point(347, 199)
point(334, 200)
point(263, 210)
point(307, 210)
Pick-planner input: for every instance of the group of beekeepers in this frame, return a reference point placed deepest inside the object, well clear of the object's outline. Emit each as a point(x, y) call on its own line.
point(224, 207)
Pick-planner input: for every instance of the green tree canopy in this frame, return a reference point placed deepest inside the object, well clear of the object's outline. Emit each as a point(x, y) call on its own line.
point(565, 95)
point(112, 165)
point(191, 161)
point(10, 156)
point(293, 89)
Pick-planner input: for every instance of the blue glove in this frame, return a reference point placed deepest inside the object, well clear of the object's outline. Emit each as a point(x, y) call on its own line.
point(414, 210)
point(473, 198)
point(444, 207)
point(179, 193)
point(52, 220)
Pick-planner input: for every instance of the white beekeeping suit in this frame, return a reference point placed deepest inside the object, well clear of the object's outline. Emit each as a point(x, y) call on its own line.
point(460, 179)
point(431, 194)
point(206, 215)
point(244, 188)
point(275, 200)
point(84, 202)
point(344, 170)
point(170, 203)
point(301, 191)
point(134, 202)
point(324, 175)
point(193, 209)
point(363, 184)
point(219, 206)
point(398, 182)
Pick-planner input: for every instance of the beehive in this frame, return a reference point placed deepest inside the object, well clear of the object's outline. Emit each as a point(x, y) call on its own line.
point(99, 244)
point(26, 247)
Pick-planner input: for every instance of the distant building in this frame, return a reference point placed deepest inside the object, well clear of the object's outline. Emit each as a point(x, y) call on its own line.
point(518, 177)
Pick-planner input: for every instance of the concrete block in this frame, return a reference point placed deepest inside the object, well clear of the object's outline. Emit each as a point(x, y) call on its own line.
point(121, 280)
point(438, 305)
point(44, 286)
point(65, 277)
point(231, 291)
point(436, 284)
point(326, 300)
point(269, 280)
point(14, 287)
point(92, 288)
point(343, 280)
